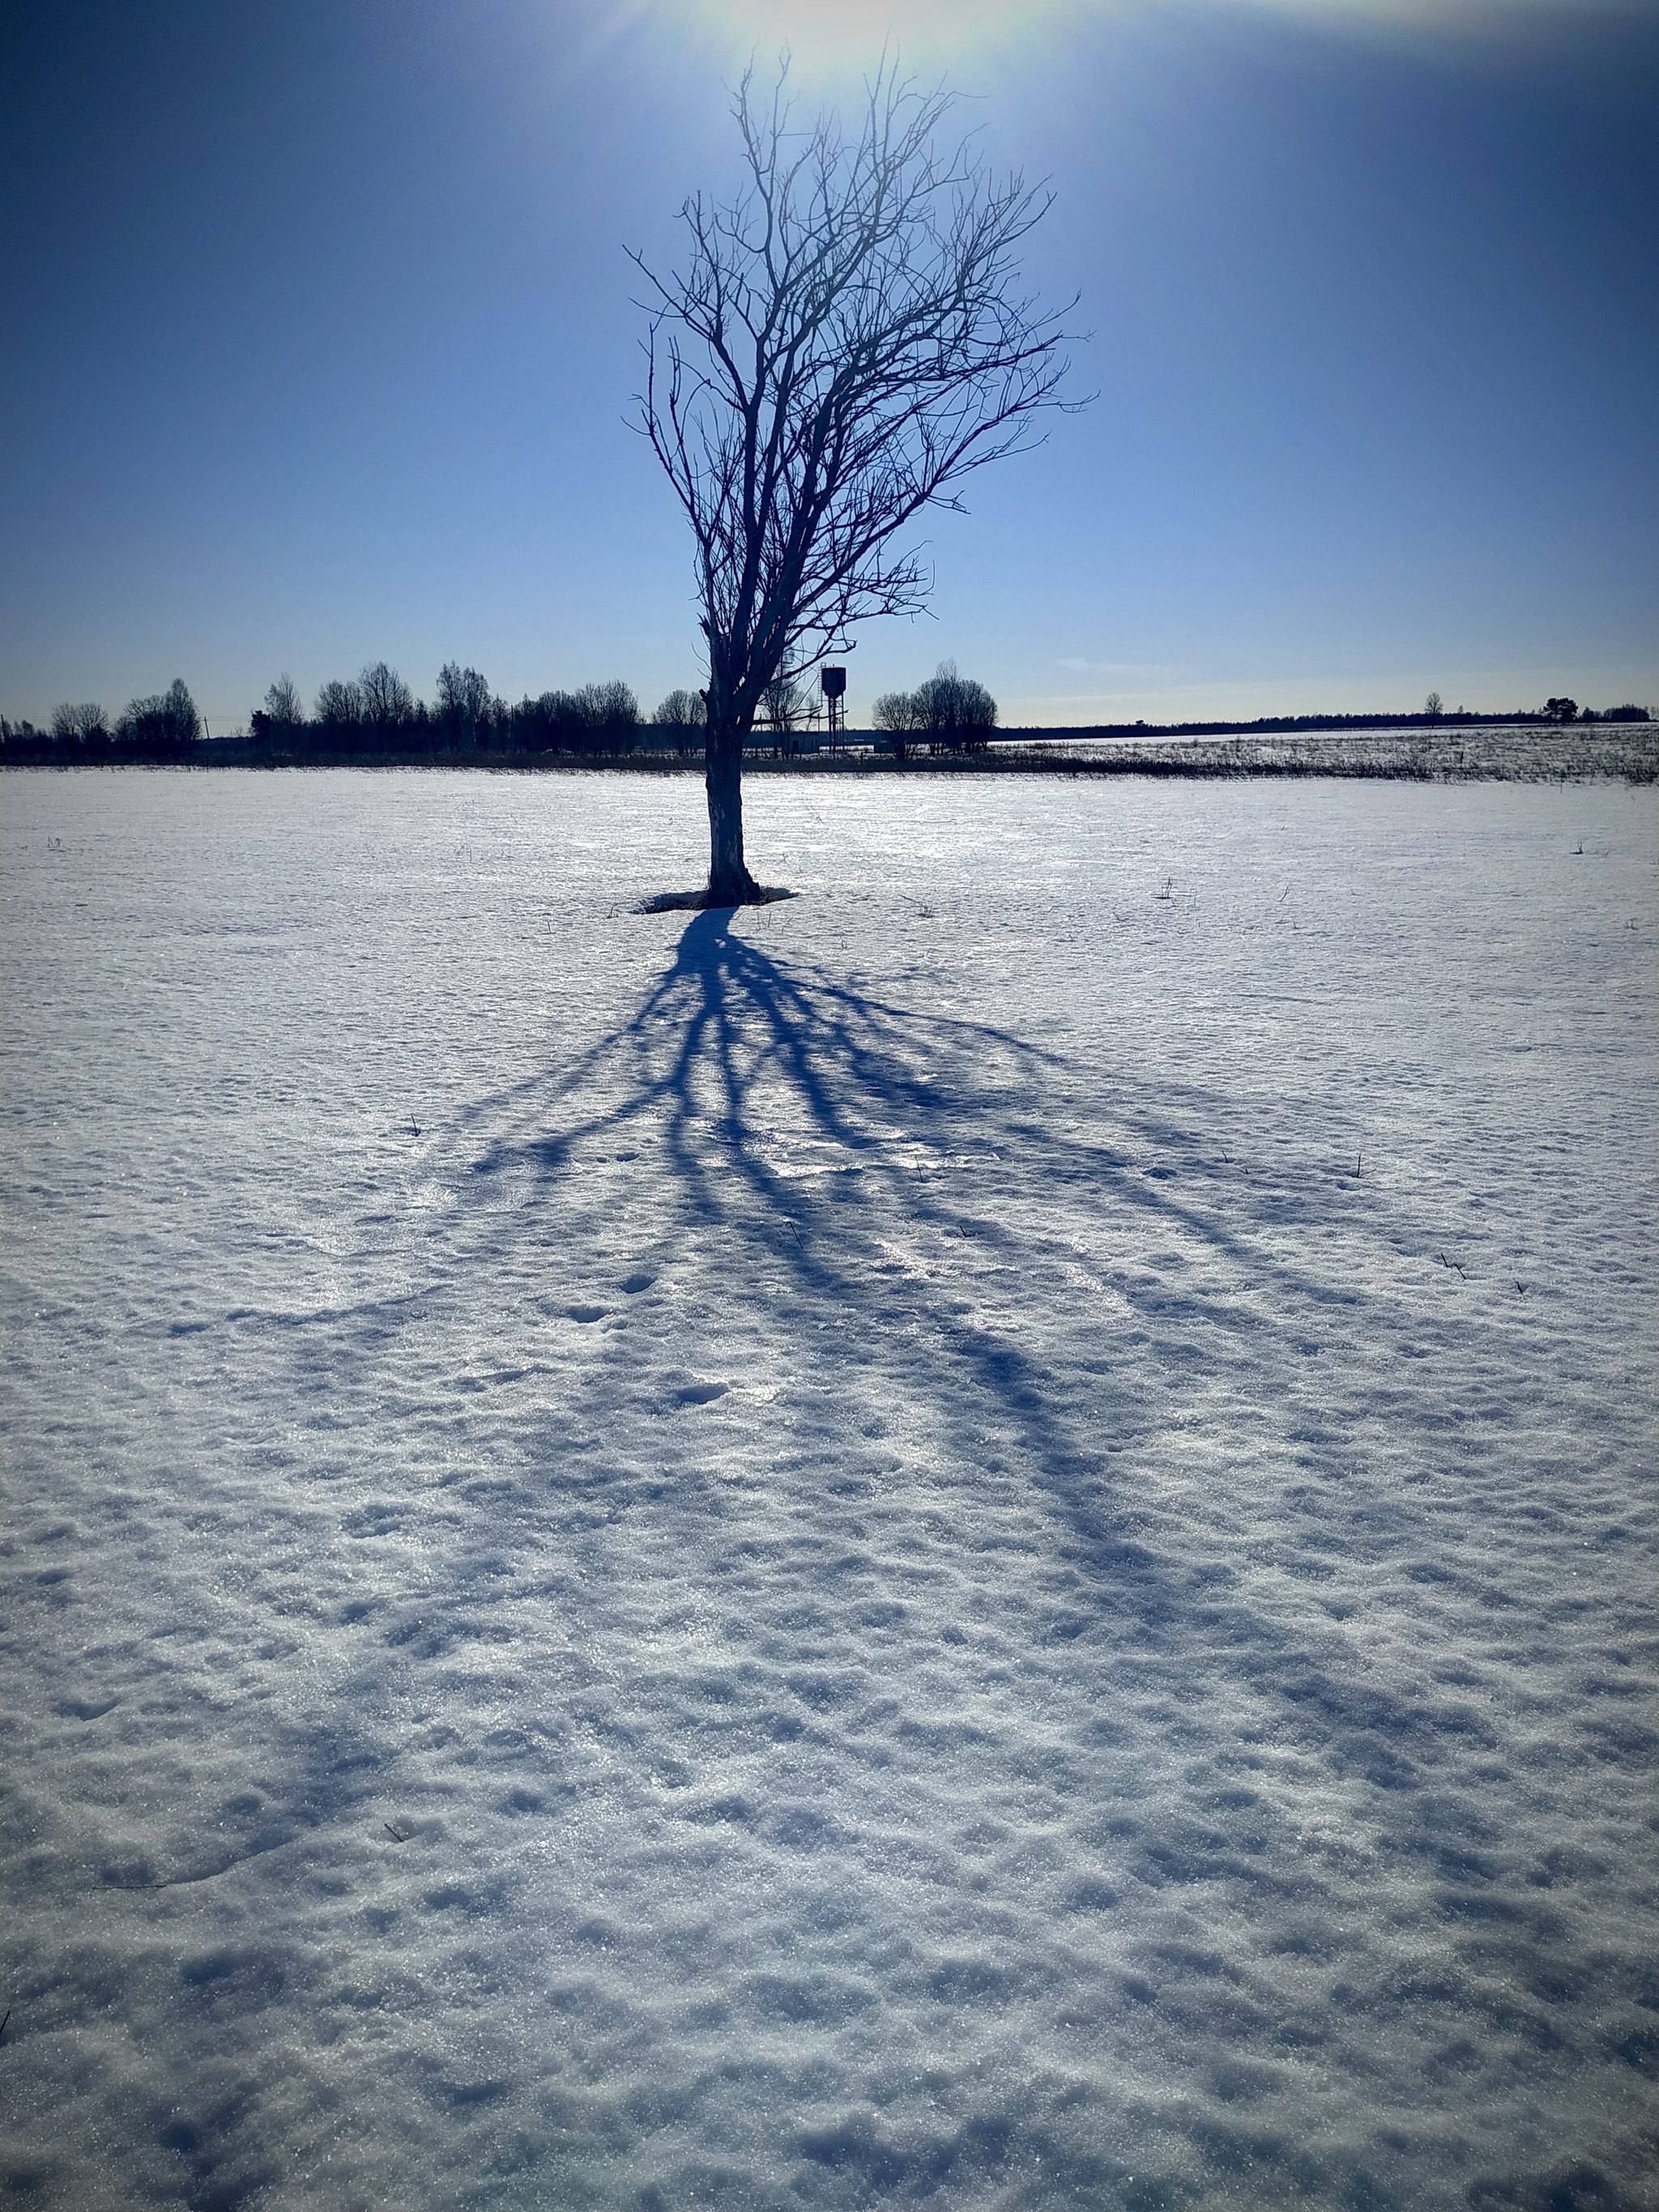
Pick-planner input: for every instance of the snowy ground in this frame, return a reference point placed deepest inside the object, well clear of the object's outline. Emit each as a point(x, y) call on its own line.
point(1514, 752)
point(982, 1540)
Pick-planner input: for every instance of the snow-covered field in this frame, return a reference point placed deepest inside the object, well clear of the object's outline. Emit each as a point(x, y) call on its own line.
point(1515, 752)
point(982, 1539)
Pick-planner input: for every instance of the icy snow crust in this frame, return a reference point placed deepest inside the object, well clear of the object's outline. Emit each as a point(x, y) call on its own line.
point(985, 1539)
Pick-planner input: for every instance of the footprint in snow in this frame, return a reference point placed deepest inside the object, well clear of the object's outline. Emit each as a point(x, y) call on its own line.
point(588, 1313)
point(633, 1284)
point(700, 1394)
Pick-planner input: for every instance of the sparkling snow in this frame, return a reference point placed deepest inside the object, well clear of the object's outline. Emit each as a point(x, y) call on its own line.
point(984, 1538)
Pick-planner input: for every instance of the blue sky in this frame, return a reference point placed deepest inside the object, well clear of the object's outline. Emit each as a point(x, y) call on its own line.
point(318, 337)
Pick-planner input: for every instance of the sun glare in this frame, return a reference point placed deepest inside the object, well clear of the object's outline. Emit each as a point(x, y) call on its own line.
point(853, 30)
point(848, 31)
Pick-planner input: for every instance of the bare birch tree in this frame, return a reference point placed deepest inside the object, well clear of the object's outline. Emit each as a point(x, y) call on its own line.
point(846, 341)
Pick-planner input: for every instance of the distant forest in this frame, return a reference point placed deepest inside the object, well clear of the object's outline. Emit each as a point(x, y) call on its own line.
point(377, 719)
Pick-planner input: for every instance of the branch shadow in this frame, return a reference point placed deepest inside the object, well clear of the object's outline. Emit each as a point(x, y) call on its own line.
point(758, 1088)
point(800, 1129)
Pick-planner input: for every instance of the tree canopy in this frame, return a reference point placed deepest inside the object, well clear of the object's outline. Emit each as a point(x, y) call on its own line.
point(846, 341)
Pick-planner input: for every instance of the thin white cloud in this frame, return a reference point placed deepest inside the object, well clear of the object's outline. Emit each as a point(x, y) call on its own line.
point(1147, 671)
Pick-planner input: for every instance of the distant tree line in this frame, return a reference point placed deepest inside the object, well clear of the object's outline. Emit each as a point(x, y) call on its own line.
point(1569, 710)
point(1436, 718)
point(162, 729)
point(376, 718)
point(373, 717)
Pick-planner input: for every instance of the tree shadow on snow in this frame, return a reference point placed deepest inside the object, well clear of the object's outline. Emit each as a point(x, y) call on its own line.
point(796, 1130)
point(752, 1088)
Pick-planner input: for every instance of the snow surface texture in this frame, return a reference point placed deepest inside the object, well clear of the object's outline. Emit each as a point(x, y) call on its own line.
point(982, 1539)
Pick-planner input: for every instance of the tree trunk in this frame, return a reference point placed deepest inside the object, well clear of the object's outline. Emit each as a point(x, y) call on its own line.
point(730, 883)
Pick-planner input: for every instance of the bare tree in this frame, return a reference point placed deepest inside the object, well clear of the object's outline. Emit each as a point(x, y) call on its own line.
point(463, 698)
point(848, 341)
point(899, 713)
point(387, 699)
point(786, 702)
point(283, 706)
point(80, 724)
point(607, 717)
point(681, 710)
point(949, 710)
point(954, 710)
point(686, 713)
point(165, 726)
point(339, 705)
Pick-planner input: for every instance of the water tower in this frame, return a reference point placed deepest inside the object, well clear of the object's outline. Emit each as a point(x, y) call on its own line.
point(834, 680)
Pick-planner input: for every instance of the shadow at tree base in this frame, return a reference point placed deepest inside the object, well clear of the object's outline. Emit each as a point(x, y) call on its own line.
point(703, 902)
